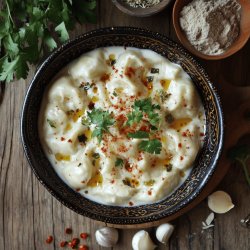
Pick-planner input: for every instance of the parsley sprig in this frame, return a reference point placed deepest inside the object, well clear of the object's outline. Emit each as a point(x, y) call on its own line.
point(144, 106)
point(102, 120)
point(140, 108)
point(30, 27)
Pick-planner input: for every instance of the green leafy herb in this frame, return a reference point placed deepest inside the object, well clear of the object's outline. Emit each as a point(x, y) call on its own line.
point(149, 183)
point(102, 119)
point(154, 71)
point(139, 135)
point(82, 138)
point(169, 118)
point(153, 118)
point(119, 162)
point(85, 121)
point(145, 105)
point(134, 117)
point(151, 146)
point(27, 30)
point(51, 123)
point(163, 95)
point(150, 78)
point(114, 93)
point(241, 154)
point(86, 85)
point(96, 155)
point(169, 167)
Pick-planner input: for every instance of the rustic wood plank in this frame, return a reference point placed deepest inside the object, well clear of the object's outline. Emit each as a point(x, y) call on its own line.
point(28, 213)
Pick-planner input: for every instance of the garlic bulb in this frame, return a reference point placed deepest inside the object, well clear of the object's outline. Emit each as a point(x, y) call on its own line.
point(163, 232)
point(142, 241)
point(220, 202)
point(106, 236)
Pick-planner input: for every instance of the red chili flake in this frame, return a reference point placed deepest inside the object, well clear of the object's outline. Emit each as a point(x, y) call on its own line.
point(83, 247)
point(149, 192)
point(63, 243)
point(105, 77)
point(84, 235)
point(145, 128)
point(131, 203)
point(202, 134)
point(69, 140)
point(62, 139)
point(68, 230)
point(129, 72)
point(113, 181)
point(121, 76)
point(78, 189)
point(185, 105)
point(181, 158)
point(49, 239)
point(179, 145)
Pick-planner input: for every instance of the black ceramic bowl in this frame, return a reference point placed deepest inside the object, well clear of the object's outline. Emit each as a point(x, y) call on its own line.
point(205, 163)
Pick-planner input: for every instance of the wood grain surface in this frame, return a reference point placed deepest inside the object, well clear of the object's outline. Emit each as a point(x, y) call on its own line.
point(28, 213)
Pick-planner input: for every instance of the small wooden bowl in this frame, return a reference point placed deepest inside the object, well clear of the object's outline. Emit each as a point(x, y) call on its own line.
point(236, 46)
point(141, 12)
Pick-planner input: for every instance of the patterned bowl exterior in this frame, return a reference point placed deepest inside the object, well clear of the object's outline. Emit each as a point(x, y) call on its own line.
point(123, 36)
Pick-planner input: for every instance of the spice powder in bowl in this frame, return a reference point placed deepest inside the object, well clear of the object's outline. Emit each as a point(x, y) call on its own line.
point(211, 26)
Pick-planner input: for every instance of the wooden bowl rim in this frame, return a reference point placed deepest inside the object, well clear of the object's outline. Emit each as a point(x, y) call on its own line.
point(234, 48)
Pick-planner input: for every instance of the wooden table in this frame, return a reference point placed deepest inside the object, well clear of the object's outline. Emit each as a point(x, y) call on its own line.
point(28, 213)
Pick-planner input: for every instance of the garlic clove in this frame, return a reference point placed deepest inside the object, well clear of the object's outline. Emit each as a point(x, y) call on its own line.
point(142, 241)
point(220, 202)
point(163, 232)
point(106, 236)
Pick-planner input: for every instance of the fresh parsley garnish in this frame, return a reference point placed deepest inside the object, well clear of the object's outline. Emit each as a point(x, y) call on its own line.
point(145, 105)
point(119, 162)
point(154, 71)
point(102, 120)
point(151, 146)
point(241, 154)
point(139, 135)
point(27, 30)
point(134, 117)
point(114, 93)
point(51, 123)
point(85, 121)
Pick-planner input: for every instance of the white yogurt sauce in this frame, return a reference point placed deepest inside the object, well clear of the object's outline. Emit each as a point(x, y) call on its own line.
point(107, 84)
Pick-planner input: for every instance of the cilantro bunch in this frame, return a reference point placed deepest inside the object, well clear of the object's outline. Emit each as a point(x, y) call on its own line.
point(30, 28)
point(241, 154)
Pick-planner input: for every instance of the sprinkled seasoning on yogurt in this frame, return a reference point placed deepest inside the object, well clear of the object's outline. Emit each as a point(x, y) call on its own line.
point(122, 126)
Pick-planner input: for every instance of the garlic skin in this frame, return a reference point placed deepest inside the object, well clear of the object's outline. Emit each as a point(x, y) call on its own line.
point(220, 202)
point(106, 236)
point(142, 241)
point(163, 232)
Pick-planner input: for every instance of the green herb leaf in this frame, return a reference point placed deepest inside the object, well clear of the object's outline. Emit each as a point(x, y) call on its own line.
point(26, 28)
point(151, 146)
point(51, 123)
point(154, 71)
point(96, 155)
point(134, 117)
point(62, 31)
point(139, 135)
point(102, 119)
point(241, 154)
point(119, 162)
